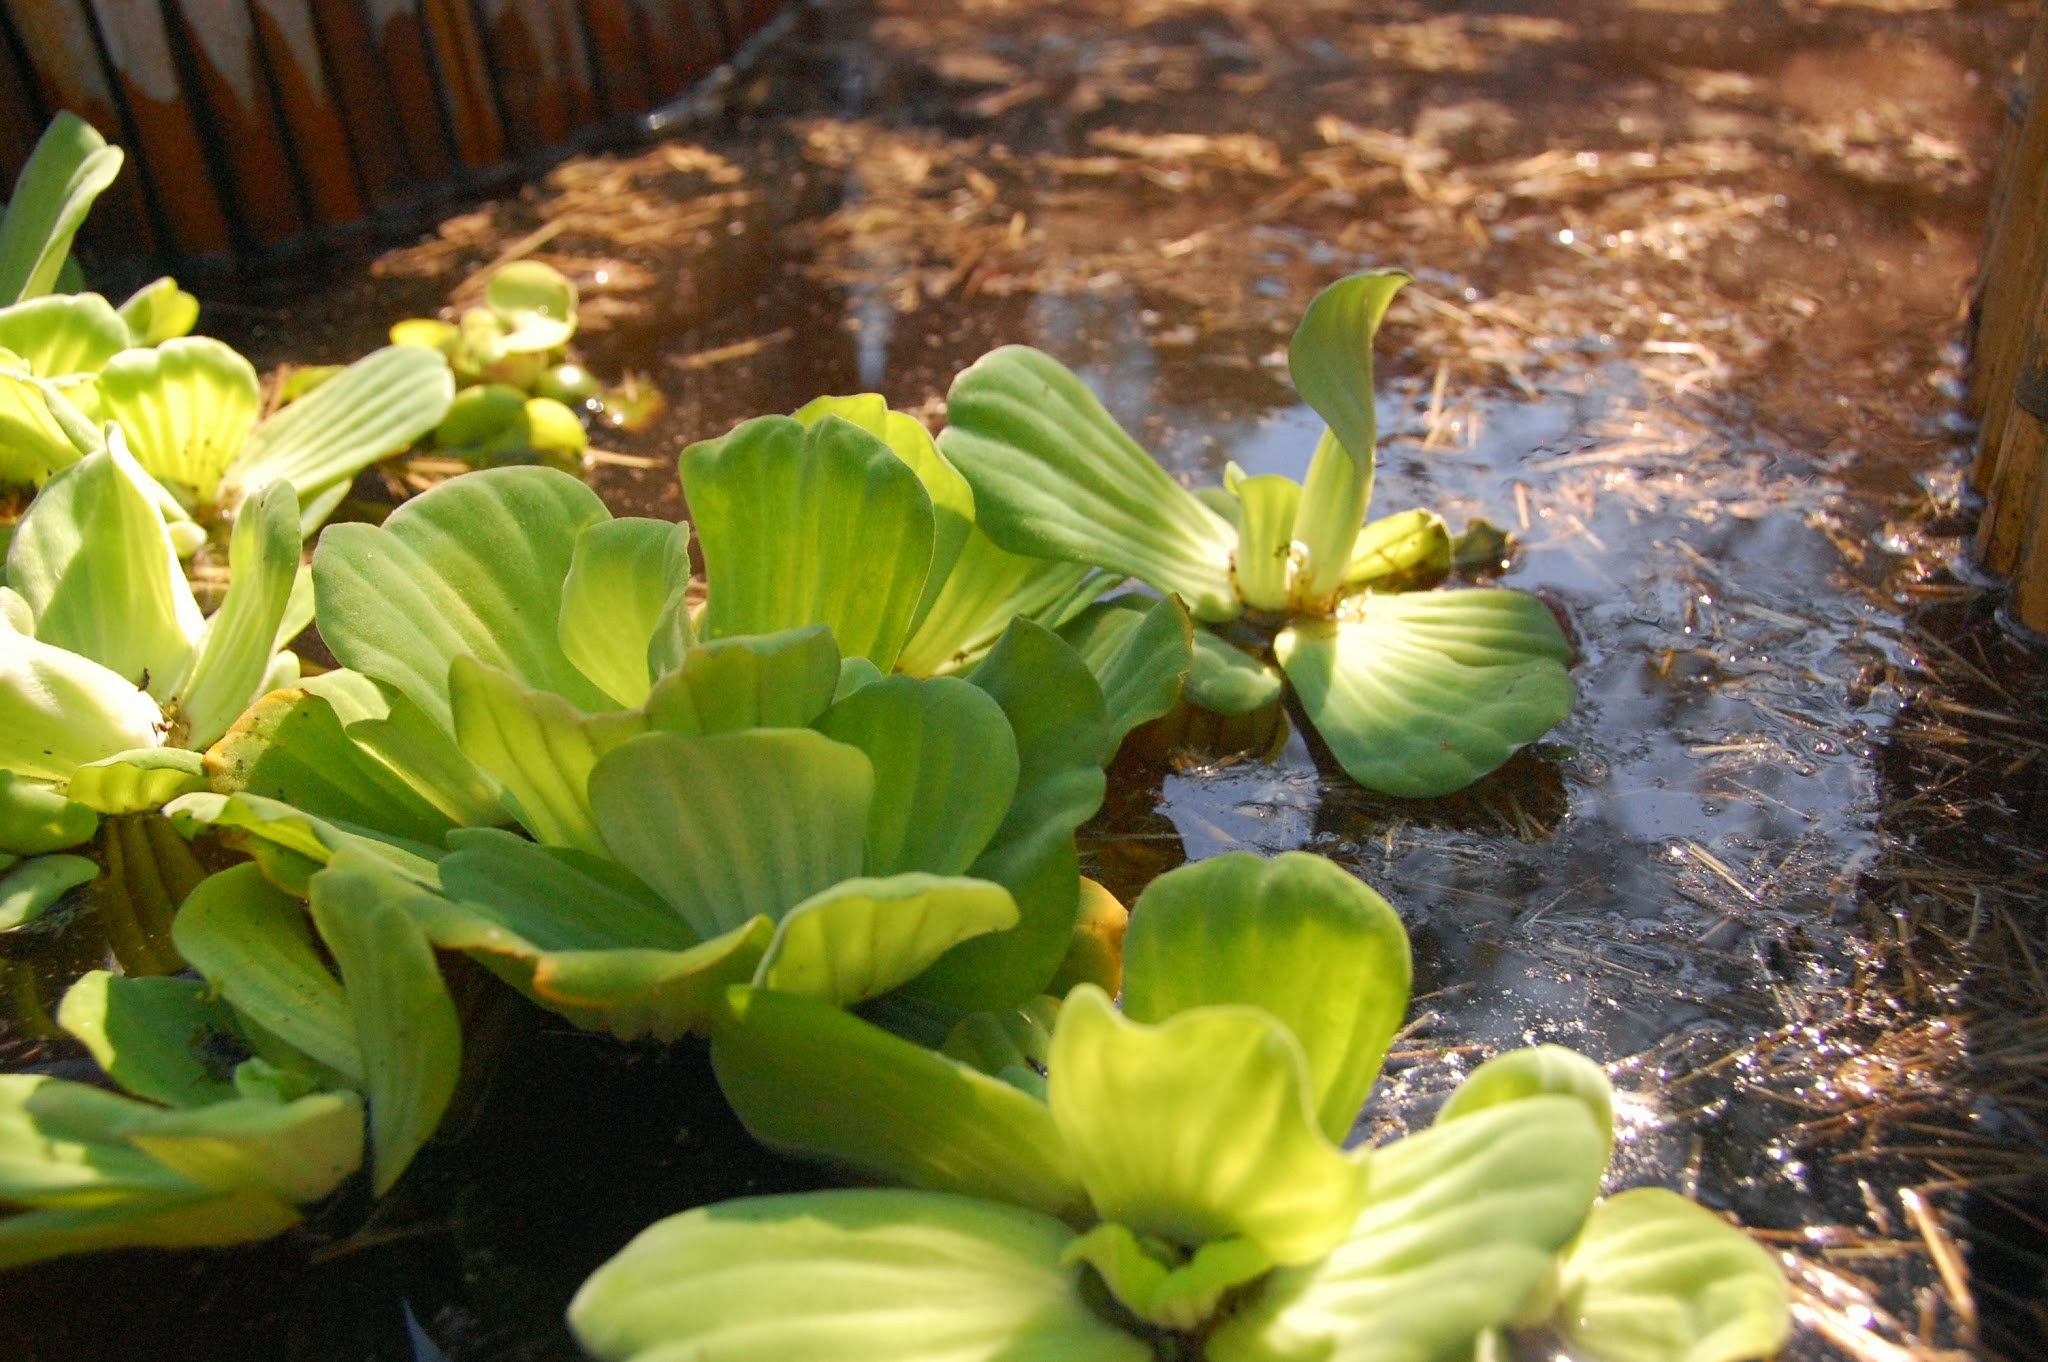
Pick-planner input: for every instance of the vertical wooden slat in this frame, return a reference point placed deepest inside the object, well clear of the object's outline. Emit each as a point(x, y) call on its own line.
point(221, 38)
point(2010, 332)
point(290, 44)
point(369, 107)
point(538, 57)
point(616, 57)
point(400, 59)
point(465, 81)
point(664, 41)
point(21, 112)
point(706, 41)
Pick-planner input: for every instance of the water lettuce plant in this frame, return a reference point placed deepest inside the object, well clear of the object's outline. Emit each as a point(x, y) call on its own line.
point(1415, 693)
point(1168, 1181)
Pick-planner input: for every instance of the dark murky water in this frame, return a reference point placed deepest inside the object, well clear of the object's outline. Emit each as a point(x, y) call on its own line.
point(1689, 282)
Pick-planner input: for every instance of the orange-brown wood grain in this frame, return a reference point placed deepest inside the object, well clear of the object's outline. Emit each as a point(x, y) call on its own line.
point(249, 135)
point(289, 41)
point(467, 95)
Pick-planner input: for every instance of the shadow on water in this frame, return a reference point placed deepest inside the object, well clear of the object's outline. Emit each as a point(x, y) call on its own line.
point(1688, 275)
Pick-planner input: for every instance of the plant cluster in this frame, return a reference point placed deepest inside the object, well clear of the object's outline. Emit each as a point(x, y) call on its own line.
point(814, 804)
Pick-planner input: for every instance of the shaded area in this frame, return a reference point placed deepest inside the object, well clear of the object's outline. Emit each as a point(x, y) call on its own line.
point(1689, 276)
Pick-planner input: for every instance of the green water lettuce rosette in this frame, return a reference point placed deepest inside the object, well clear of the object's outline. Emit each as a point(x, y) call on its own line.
point(1414, 692)
point(1169, 1181)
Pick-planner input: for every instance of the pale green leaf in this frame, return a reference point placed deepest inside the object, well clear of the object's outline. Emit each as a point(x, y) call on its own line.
point(99, 574)
point(1654, 1277)
point(186, 406)
point(377, 406)
point(1182, 1295)
point(1225, 679)
point(160, 1038)
point(68, 169)
point(474, 566)
point(664, 995)
point(31, 888)
point(537, 746)
point(986, 589)
point(1264, 565)
point(1460, 1224)
point(37, 427)
point(557, 899)
point(613, 599)
point(290, 844)
point(733, 826)
point(1056, 477)
point(405, 1022)
point(387, 724)
point(1402, 546)
point(780, 680)
point(138, 781)
point(159, 311)
point(290, 746)
point(61, 334)
point(1200, 1128)
point(1013, 1044)
point(1138, 650)
point(250, 942)
point(1535, 1071)
point(35, 817)
point(534, 303)
point(952, 499)
point(1330, 361)
point(1062, 734)
point(945, 766)
point(298, 1151)
point(854, 1276)
point(59, 711)
point(1421, 694)
point(863, 937)
point(808, 1078)
point(1298, 937)
point(817, 525)
point(234, 652)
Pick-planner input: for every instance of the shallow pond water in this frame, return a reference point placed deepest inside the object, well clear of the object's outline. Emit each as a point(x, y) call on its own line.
point(1690, 277)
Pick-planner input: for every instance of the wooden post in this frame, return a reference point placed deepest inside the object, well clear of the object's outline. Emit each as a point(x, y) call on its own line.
point(617, 57)
point(371, 107)
point(2010, 353)
point(289, 42)
point(465, 82)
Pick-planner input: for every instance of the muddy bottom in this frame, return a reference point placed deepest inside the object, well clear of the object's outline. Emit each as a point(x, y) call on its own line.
point(1690, 287)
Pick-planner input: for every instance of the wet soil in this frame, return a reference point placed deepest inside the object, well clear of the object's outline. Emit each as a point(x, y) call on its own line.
point(1691, 289)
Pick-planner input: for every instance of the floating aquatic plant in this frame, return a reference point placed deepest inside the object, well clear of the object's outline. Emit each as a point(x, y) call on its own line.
point(1415, 693)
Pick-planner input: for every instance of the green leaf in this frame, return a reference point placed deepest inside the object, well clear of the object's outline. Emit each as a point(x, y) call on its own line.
point(1138, 650)
point(854, 1276)
point(824, 525)
point(540, 748)
point(810, 1079)
point(159, 311)
point(987, 588)
point(1535, 1071)
point(863, 937)
point(1200, 1128)
point(30, 889)
point(291, 844)
point(405, 1022)
point(164, 1039)
point(781, 680)
point(251, 944)
point(59, 711)
point(1298, 937)
point(383, 722)
point(1056, 714)
point(1180, 1295)
point(290, 746)
point(1013, 1044)
point(37, 426)
point(556, 899)
point(34, 817)
point(660, 994)
point(1655, 1278)
point(1225, 679)
point(68, 169)
point(1408, 545)
point(535, 303)
point(1264, 565)
point(375, 407)
point(733, 826)
point(235, 650)
point(97, 569)
point(1330, 361)
point(945, 770)
point(1424, 693)
point(1460, 1224)
point(186, 406)
point(61, 334)
point(614, 597)
point(1055, 476)
point(441, 579)
point(138, 781)
point(951, 498)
